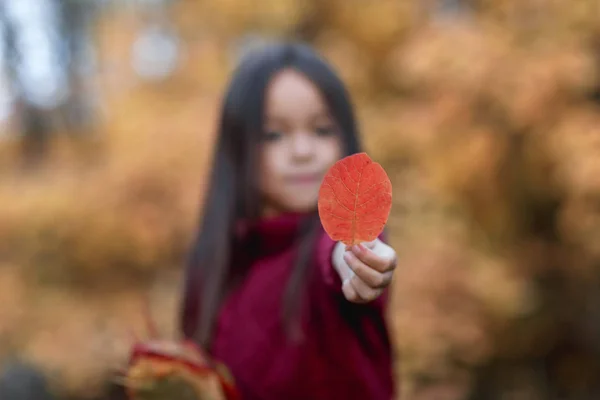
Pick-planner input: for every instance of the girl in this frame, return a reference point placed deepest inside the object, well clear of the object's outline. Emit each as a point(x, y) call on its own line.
point(290, 312)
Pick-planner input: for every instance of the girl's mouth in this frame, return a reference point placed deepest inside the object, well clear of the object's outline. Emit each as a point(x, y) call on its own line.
point(305, 179)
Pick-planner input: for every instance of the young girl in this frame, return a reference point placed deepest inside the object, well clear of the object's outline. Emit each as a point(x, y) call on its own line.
point(291, 313)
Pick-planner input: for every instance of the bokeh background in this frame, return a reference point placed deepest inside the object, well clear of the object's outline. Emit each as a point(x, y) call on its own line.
point(485, 113)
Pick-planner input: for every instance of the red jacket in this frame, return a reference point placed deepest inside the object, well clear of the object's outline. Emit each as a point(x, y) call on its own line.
point(345, 352)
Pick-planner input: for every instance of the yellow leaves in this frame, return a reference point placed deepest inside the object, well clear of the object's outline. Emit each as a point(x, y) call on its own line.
point(348, 59)
point(575, 145)
point(373, 24)
point(542, 20)
point(460, 56)
point(146, 375)
point(575, 142)
point(13, 293)
point(235, 17)
point(504, 292)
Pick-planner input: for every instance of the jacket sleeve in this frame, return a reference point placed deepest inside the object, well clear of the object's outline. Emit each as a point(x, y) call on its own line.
point(356, 335)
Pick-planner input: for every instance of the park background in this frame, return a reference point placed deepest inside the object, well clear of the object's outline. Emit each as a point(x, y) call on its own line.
point(484, 113)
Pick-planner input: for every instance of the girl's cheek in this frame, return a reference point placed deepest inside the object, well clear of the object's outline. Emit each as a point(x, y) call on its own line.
point(269, 163)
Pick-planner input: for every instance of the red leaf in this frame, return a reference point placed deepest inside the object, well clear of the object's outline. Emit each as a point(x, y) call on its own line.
point(155, 362)
point(355, 200)
point(152, 361)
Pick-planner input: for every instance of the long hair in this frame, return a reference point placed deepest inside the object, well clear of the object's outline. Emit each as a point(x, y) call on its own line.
point(233, 191)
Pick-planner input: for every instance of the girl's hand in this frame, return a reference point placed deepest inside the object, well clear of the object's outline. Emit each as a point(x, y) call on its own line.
point(366, 269)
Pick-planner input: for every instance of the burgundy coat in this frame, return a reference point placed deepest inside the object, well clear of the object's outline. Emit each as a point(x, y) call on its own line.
point(345, 352)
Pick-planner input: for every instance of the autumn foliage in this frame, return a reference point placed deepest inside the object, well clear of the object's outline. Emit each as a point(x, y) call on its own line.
point(486, 118)
point(175, 370)
point(355, 199)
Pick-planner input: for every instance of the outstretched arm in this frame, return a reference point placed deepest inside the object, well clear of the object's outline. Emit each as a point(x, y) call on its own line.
point(358, 338)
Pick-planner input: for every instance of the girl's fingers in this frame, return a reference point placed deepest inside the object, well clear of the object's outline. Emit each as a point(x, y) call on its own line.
point(381, 258)
point(350, 293)
point(364, 292)
point(370, 276)
point(371, 245)
point(369, 268)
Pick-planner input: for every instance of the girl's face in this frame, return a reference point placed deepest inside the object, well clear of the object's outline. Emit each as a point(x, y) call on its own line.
point(300, 143)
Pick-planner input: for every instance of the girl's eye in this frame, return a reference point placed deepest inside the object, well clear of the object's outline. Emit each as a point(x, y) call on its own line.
point(325, 131)
point(270, 136)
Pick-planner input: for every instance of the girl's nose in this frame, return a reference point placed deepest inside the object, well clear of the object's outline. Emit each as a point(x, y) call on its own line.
point(302, 146)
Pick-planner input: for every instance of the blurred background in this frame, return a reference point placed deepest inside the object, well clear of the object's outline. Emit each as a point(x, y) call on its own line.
point(485, 114)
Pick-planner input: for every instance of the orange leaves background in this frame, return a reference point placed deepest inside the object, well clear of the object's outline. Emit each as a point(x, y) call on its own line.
point(485, 117)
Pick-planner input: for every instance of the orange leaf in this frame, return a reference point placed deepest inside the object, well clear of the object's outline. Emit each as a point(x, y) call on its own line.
point(355, 200)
